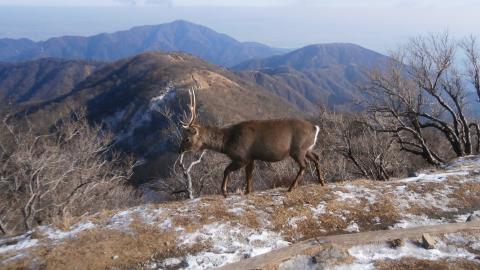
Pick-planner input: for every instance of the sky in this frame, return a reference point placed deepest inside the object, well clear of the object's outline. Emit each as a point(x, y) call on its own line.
point(380, 25)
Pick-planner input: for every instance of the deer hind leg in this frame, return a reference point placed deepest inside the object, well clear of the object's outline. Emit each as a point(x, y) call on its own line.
point(300, 159)
point(235, 165)
point(249, 175)
point(316, 160)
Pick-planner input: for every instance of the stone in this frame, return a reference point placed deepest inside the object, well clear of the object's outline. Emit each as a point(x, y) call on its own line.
point(114, 257)
point(412, 173)
point(331, 256)
point(395, 243)
point(427, 241)
point(298, 262)
point(473, 217)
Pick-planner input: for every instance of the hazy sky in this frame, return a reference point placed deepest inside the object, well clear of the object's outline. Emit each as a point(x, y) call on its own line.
point(375, 24)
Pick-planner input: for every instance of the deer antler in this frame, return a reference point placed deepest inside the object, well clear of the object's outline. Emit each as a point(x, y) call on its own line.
point(192, 106)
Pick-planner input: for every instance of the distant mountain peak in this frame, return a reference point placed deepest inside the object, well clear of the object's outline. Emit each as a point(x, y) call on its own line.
point(327, 74)
point(179, 35)
point(316, 56)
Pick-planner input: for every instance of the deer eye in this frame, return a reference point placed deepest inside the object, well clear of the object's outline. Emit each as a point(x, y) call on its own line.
point(187, 140)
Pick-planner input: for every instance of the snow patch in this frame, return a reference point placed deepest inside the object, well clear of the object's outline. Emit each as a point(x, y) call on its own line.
point(140, 117)
point(464, 217)
point(319, 210)
point(366, 255)
point(292, 222)
point(435, 199)
point(409, 221)
point(145, 214)
point(433, 177)
point(463, 239)
point(343, 196)
point(229, 243)
point(17, 243)
point(157, 102)
point(236, 211)
point(355, 193)
point(58, 235)
point(352, 227)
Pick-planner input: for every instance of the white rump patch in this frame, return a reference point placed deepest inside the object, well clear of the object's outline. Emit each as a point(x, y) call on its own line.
point(317, 129)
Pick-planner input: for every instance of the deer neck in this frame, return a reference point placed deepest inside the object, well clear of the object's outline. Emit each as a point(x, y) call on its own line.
point(214, 139)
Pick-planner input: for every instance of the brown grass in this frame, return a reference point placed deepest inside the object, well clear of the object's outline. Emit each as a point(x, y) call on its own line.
point(410, 263)
point(17, 264)
point(466, 196)
point(96, 249)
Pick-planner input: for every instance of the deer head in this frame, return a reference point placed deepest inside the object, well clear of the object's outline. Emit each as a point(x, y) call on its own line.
point(191, 137)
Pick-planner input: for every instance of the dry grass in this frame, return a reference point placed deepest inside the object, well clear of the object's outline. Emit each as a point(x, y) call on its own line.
point(410, 263)
point(18, 264)
point(102, 247)
point(466, 196)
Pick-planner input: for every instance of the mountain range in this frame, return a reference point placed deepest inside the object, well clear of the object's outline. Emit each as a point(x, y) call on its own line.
point(322, 74)
point(177, 36)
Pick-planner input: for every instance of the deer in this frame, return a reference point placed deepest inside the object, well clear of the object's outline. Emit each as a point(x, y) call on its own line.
point(244, 142)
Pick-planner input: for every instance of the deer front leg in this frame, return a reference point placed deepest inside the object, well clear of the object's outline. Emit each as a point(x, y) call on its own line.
point(235, 165)
point(249, 176)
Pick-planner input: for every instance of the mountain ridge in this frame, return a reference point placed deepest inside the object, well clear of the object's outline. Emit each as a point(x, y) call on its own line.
point(320, 74)
point(176, 36)
point(317, 56)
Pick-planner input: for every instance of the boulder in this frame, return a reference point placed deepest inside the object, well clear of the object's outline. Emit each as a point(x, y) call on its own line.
point(473, 217)
point(427, 241)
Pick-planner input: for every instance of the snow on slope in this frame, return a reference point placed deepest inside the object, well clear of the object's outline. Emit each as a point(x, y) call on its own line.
point(450, 249)
point(365, 256)
point(213, 231)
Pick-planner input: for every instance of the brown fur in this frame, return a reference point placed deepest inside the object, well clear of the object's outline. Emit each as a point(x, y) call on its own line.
point(266, 140)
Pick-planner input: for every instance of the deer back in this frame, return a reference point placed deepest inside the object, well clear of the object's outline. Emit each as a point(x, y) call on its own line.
point(269, 140)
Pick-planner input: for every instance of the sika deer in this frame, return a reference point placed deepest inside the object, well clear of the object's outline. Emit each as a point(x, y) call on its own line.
point(245, 142)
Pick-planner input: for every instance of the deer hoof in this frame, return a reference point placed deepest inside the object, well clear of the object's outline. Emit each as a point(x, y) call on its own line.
point(225, 194)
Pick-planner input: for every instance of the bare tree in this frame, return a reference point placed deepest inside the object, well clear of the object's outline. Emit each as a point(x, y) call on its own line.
point(421, 89)
point(367, 153)
point(472, 52)
point(69, 172)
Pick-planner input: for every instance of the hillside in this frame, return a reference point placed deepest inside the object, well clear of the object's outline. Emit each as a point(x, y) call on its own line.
point(41, 80)
point(213, 231)
point(328, 74)
point(130, 97)
point(177, 36)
